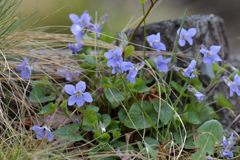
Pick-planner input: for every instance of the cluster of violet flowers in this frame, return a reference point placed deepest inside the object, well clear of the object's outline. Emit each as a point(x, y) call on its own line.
point(118, 65)
point(77, 95)
point(82, 25)
point(185, 36)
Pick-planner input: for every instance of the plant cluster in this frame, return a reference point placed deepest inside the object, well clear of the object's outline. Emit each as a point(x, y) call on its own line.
point(136, 106)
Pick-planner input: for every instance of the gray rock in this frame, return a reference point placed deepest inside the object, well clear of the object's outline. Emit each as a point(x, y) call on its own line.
point(210, 31)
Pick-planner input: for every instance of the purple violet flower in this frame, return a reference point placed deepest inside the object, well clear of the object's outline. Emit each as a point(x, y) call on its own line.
point(114, 56)
point(162, 64)
point(126, 66)
point(228, 146)
point(77, 94)
point(154, 41)
point(118, 68)
point(132, 75)
point(77, 31)
point(79, 24)
point(186, 35)
point(82, 25)
point(234, 85)
point(121, 67)
point(75, 48)
point(84, 20)
point(24, 68)
point(97, 27)
point(211, 56)
point(115, 59)
point(189, 71)
point(200, 97)
point(132, 70)
point(43, 132)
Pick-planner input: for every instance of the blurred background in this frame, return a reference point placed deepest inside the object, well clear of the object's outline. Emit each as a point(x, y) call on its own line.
point(121, 12)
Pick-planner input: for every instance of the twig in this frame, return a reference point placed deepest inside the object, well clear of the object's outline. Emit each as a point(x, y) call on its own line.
point(143, 19)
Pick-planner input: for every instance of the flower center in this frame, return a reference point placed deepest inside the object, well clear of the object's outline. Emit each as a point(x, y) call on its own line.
point(155, 42)
point(78, 94)
point(78, 28)
point(209, 53)
point(184, 36)
point(45, 132)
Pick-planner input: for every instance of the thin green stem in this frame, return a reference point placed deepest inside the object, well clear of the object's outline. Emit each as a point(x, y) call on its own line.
point(144, 32)
point(174, 51)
